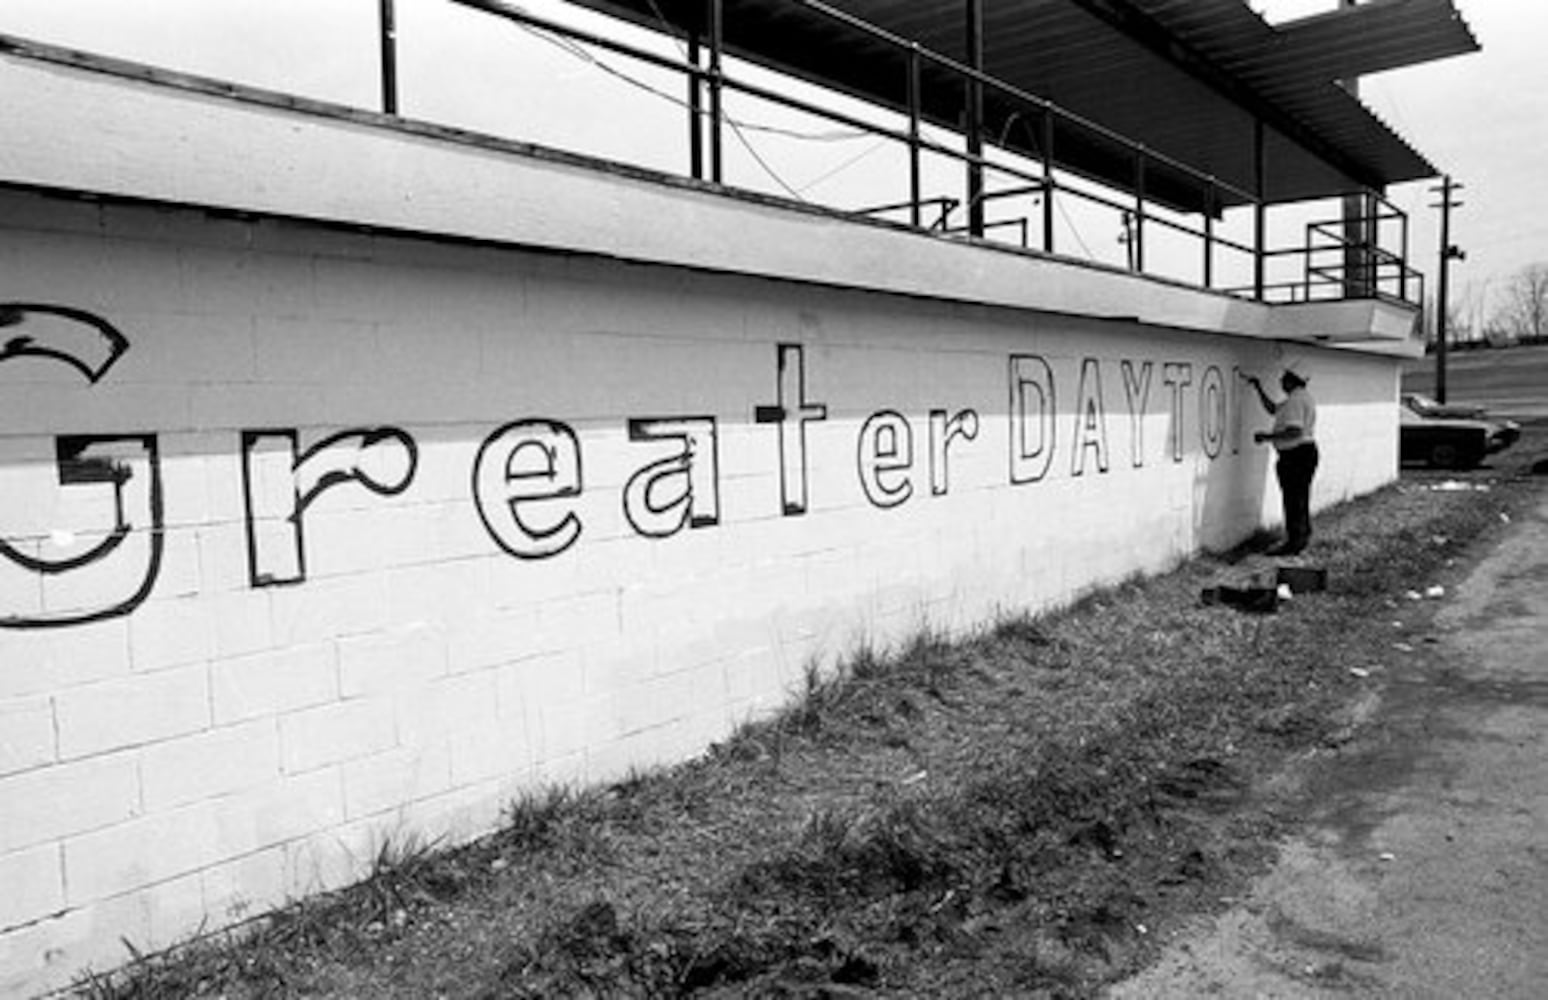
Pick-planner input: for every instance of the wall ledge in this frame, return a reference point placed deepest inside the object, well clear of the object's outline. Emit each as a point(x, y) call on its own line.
point(105, 128)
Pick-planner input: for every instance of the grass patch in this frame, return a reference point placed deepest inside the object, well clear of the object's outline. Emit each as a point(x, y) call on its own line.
point(1011, 814)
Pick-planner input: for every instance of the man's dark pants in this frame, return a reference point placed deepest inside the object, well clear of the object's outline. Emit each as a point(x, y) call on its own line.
point(1295, 469)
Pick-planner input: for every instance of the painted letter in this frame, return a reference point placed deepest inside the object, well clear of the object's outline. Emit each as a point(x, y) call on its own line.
point(790, 414)
point(1178, 376)
point(1136, 390)
point(528, 462)
point(943, 431)
point(121, 565)
point(112, 568)
point(1031, 418)
point(886, 447)
point(1090, 419)
point(1212, 411)
point(683, 489)
point(279, 483)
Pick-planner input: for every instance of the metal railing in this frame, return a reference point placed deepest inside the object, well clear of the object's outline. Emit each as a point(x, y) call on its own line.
point(1037, 178)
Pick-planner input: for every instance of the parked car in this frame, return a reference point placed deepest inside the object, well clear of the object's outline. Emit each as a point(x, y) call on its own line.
point(1424, 406)
point(1447, 442)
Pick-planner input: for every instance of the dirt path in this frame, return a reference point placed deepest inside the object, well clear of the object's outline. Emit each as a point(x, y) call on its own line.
point(1423, 869)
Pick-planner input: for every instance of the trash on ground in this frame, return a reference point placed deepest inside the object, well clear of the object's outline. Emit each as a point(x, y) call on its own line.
point(1435, 591)
point(1413, 595)
point(1403, 647)
point(1303, 579)
point(1251, 598)
point(1359, 671)
point(1387, 856)
point(1283, 592)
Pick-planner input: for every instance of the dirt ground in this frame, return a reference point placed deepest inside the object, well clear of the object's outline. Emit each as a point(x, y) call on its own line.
point(1422, 870)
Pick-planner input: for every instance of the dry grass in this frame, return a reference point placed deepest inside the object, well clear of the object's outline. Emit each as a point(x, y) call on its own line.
point(1009, 815)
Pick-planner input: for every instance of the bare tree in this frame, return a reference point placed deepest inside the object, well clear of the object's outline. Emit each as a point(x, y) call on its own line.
point(1525, 312)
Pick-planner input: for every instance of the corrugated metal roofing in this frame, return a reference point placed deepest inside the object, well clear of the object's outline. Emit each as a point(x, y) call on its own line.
point(1186, 78)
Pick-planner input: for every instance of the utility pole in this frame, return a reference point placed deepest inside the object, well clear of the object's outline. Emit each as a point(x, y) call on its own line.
point(1448, 253)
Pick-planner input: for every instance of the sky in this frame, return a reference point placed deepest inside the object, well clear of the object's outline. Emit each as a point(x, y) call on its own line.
point(1482, 118)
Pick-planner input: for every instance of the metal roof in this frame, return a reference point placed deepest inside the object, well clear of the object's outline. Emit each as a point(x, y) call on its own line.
point(1186, 78)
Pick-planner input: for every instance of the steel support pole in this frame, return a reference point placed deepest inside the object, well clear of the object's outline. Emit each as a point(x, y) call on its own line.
point(716, 110)
point(1259, 208)
point(695, 110)
point(915, 98)
point(1138, 255)
point(388, 30)
point(974, 10)
point(1048, 178)
point(1209, 234)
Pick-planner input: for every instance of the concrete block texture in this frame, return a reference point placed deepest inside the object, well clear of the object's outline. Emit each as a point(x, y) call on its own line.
point(348, 537)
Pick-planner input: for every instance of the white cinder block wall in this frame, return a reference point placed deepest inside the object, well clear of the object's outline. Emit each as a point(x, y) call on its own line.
point(312, 538)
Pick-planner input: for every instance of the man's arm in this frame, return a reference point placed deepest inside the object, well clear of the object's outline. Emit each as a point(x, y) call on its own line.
point(1263, 397)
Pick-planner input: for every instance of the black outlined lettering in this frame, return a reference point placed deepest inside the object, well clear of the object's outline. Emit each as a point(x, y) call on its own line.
point(279, 483)
point(127, 556)
point(85, 342)
point(943, 431)
point(1178, 376)
point(127, 559)
point(791, 413)
point(529, 464)
point(884, 455)
point(1212, 411)
point(662, 498)
point(1031, 418)
point(1136, 390)
point(1090, 419)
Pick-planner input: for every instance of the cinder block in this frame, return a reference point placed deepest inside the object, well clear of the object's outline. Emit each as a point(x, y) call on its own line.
point(136, 854)
point(428, 714)
point(140, 709)
point(208, 764)
point(331, 734)
point(26, 734)
point(391, 780)
point(240, 620)
point(292, 808)
point(563, 731)
point(170, 633)
point(390, 661)
point(34, 885)
point(179, 573)
point(526, 686)
point(46, 956)
point(245, 887)
point(501, 750)
point(51, 802)
point(342, 537)
point(339, 857)
point(222, 548)
point(274, 683)
point(495, 638)
point(313, 351)
point(328, 609)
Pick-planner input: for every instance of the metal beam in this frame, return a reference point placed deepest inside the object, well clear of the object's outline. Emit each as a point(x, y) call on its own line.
point(1139, 27)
